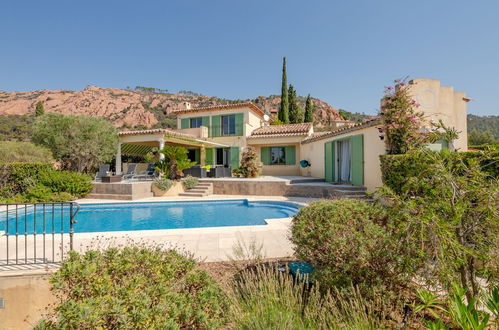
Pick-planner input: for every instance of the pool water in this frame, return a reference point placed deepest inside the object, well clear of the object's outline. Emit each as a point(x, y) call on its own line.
point(148, 216)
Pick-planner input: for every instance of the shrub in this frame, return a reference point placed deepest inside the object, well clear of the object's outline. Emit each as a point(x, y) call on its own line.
point(175, 161)
point(447, 204)
point(346, 241)
point(134, 288)
point(190, 182)
point(250, 166)
point(265, 298)
point(24, 152)
point(163, 183)
point(397, 170)
point(32, 182)
point(76, 184)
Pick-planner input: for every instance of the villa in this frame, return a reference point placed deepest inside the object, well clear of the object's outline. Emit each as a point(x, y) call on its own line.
point(348, 154)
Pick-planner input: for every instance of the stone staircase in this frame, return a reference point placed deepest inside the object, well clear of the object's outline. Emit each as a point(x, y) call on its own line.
point(201, 190)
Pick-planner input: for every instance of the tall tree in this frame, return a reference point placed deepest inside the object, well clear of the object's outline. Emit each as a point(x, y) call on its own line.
point(309, 110)
point(39, 109)
point(296, 114)
point(283, 113)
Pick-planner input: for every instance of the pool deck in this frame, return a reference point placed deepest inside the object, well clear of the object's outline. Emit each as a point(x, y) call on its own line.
point(205, 244)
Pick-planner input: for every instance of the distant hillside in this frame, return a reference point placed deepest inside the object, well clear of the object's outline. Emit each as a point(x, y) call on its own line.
point(484, 124)
point(133, 108)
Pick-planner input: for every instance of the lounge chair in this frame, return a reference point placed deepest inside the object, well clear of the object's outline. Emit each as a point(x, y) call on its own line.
point(103, 171)
point(149, 173)
point(130, 171)
point(220, 172)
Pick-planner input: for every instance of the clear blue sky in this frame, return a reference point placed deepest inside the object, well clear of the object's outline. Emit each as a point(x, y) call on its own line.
point(343, 52)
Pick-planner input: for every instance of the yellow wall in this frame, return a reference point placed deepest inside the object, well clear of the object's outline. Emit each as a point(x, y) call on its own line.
point(258, 143)
point(442, 102)
point(373, 148)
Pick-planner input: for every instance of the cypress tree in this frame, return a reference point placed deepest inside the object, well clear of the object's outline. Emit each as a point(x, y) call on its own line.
point(309, 110)
point(39, 110)
point(283, 113)
point(296, 114)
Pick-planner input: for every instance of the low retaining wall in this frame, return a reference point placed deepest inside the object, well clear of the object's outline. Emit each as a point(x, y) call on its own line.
point(121, 191)
point(277, 188)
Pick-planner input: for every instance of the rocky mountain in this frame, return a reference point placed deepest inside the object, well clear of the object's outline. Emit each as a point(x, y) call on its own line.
point(129, 108)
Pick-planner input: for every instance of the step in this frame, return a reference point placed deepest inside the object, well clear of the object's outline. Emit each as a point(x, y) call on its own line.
point(204, 184)
point(191, 194)
point(197, 190)
point(352, 192)
point(306, 180)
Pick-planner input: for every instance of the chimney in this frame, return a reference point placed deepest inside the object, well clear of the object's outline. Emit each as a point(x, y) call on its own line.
point(187, 105)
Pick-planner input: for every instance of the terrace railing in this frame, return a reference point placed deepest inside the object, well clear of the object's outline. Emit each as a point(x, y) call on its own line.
point(36, 233)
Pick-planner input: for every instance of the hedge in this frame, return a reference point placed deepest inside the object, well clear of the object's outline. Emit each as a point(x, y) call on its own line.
point(40, 182)
point(398, 169)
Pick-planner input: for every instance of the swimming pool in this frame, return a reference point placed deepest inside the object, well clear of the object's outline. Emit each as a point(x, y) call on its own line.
point(150, 216)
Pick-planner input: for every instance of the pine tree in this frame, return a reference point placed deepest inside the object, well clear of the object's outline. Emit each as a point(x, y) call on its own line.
point(309, 110)
point(39, 110)
point(283, 113)
point(296, 114)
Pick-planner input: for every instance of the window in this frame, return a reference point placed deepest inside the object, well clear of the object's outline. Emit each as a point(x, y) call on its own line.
point(196, 122)
point(277, 156)
point(229, 125)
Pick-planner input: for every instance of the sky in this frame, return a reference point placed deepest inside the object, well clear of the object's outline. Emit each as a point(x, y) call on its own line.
point(343, 52)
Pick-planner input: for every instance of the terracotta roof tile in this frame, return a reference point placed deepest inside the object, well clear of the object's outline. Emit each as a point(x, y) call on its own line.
point(157, 131)
point(223, 107)
point(341, 130)
point(282, 130)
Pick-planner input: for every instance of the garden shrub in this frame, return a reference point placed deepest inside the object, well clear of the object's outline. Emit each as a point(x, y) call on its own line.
point(76, 184)
point(163, 183)
point(135, 288)
point(38, 182)
point(398, 169)
point(347, 242)
point(250, 166)
point(24, 152)
point(190, 182)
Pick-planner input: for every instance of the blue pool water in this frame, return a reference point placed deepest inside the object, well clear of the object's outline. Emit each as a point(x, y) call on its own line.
point(146, 216)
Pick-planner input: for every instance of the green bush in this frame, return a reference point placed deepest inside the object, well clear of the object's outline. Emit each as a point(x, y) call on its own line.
point(24, 152)
point(348, 244)
point(76, 184)
point(135, 288)
point(37, 182)
point(163, 183)
point(398, 169)
point(190, 182)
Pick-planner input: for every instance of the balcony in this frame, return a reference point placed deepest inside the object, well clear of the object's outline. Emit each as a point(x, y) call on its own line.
point(201, 132)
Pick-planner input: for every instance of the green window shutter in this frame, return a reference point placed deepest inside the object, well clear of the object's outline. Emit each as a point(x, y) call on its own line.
point(239, 124)
point(184, 123)
point(197, 156)
point(290, 155)
point(216, 126)
point(265, 155)
point(234, 157)
point(205, 121)
point(328, 161)
point(358, 159)
point(209, 157)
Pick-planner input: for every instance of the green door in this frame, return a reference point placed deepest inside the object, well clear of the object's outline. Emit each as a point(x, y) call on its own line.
point(329, 161)
point(357, 162)
point(234, 157)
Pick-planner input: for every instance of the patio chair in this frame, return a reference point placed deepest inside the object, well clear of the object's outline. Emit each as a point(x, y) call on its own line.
point(130, 171)
point(216, 172)
point(149, 173)
point(103, 171)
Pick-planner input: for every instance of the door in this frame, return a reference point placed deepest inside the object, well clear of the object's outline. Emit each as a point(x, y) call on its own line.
point(344, 160)
point(223, 156)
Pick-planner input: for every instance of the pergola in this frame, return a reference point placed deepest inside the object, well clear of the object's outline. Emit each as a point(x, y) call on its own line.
point(139, 143)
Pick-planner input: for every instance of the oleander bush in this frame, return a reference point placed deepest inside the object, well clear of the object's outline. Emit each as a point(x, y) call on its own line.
point(349, 243)
point(39, 182)
point(135, 288)
point(163, 183)
point(397, 170)
point(190, 182)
